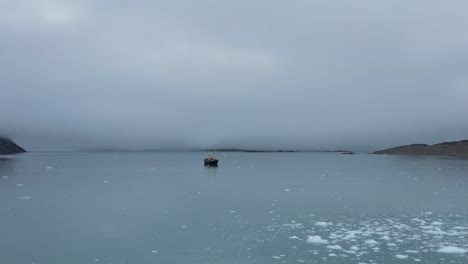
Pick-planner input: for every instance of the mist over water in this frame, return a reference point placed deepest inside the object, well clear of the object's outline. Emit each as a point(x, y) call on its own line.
point(185, 75)
point(118, 104)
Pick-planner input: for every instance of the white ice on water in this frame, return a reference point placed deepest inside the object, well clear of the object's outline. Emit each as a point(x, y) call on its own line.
point(452, 250)
point(316, 240)
point(335, 247)
point(371, 242)
point(322, 224)
point(403, 238)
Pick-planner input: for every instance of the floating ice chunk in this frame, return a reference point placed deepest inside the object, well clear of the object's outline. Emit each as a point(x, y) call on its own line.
point(354, 248)
point(49, 167)
point(335, 247)
point(371, 242)
point(294, 226)
point(294, 237)
point(436, 231)
point(276, 257)
point(412, 251)
point(154, 251)
point(25, 197)
point(332, 255)
point(351, 234)
point(106, 181)
point(322, 224)
point(399, 256)
point(437, 223)
point(316, 240)
point(452, 250)
point(417, 260)
point(183, 226)
point(385, 238)
point(401, 226)
point(19, 184)
point(286, 190)
point(232, 211)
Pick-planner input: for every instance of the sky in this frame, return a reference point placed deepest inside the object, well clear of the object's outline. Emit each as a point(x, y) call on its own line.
point(260, 74)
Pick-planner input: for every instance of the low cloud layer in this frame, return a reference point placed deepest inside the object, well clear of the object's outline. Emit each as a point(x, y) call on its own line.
point(82, 74)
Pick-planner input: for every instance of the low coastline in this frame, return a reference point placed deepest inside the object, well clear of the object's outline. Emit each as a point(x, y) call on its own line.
point(8, 147)
point(454, 148)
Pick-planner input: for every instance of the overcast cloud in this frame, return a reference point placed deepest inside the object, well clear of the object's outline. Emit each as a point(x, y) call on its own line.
point(78, 74)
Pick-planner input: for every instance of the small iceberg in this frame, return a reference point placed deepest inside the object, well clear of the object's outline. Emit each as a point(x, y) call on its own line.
point(316, 240)
point(452, 250)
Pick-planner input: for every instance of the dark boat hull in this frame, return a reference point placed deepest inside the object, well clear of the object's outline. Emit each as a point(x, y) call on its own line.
point(211, 162)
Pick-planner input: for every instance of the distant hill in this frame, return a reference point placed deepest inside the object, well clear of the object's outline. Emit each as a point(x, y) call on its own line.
point(456, 148)
point(8, 147)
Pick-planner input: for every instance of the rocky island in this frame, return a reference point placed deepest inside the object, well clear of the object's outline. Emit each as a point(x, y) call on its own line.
point(456, 148)
point(8, 147)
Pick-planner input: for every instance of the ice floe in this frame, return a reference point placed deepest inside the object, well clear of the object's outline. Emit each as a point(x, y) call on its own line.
point(335, 247)
point(452, 250)
point(322, 224)
point(316, 240)
point(371, 242)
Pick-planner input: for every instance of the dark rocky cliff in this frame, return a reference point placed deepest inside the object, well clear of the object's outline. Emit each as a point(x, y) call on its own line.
point(8, 147)
point(456, 148)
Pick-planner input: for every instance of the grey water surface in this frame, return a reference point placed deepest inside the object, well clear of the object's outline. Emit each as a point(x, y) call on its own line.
point(166, 207)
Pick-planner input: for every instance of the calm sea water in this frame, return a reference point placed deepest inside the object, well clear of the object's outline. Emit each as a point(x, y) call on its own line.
point(156, 207)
